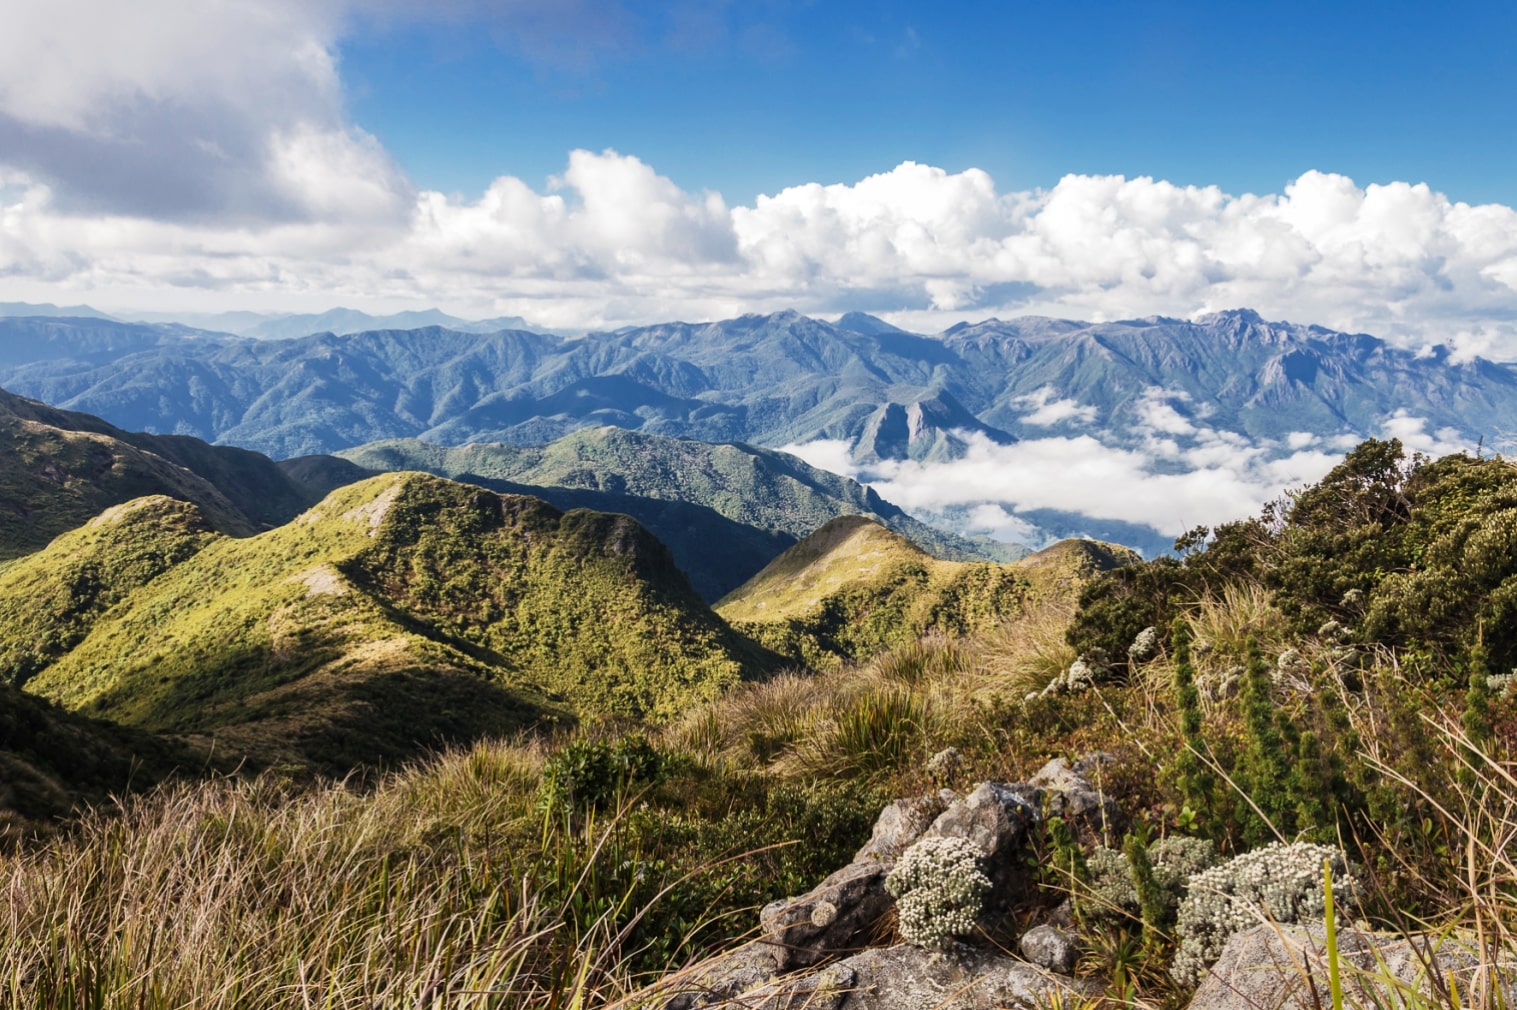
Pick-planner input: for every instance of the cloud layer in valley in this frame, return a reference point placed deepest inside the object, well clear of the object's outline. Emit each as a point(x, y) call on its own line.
point(1173, 473)
point(187, 152)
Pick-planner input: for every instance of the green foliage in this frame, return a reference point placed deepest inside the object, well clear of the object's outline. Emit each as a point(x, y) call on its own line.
point(1151, 898)
point(590, 773)
point(322, 640)
point(1114, 607)
point(1116, 893)
point(1476, 721)
point(1263, 773)
point(1193, 776)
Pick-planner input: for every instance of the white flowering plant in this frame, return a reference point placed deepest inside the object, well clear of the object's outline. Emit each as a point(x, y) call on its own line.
point(1279, 883)
point(939, 889)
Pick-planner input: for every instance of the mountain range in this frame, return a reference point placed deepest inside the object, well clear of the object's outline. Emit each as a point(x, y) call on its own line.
point(724, 511)
point(769, 380)
point(280, 325)
point(874, 394)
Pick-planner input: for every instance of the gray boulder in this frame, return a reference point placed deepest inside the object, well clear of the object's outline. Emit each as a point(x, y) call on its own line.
point(1052, 948)
point(901, 823)
point(905, 977)
point(1071, 795)
point(1285, 967)
point(996, 818)
point(836, 917)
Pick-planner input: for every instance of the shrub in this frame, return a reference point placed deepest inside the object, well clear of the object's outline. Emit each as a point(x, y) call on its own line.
point(1278, 883)
point(1113, 891)
point(940, 890)
point(591, 773)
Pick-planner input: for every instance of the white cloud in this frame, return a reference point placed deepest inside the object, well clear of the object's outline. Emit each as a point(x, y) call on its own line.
point(1156, 414)
point(1049, 409)
point(1300, 439)
point(1413, 433)
point(156, 153)
point(831, 454)
point(1079, 474)
point(1217, 476)
point(997, 523)
point(198, 110)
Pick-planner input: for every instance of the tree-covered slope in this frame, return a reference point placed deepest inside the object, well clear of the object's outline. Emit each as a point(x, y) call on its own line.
point(398, 612)
point(1408, 553)
point(59, 468)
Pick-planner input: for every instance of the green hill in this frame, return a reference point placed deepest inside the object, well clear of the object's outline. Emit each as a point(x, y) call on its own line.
point(773, 492)
point(58, 469)
point(1061, 570)
point(50, 600)
point(854, 588)
point(398, 612)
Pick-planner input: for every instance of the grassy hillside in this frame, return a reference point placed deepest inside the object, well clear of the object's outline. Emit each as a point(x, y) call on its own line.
point(854, 588)
point(773, 492)
point(58, 469)
point(50, 600)
point(398, 612)
point(1060, 571)
point(717, 553)
point(757, 487)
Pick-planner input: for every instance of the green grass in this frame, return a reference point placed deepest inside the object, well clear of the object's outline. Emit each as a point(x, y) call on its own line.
point(443, 886)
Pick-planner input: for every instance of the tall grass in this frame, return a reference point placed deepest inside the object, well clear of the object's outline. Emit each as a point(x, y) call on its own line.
point(240, 895)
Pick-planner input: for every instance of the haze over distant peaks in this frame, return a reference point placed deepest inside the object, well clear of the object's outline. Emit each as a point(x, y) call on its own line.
point(281, 325)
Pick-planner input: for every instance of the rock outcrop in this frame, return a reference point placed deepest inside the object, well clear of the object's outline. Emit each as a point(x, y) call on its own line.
point(827, 948)
point(1286, 967)
point(903, 977)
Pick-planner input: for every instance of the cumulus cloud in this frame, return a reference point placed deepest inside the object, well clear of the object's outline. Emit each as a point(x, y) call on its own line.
point(166, 147)
point(205, 110)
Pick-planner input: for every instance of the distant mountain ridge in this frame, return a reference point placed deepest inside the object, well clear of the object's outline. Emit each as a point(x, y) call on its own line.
point(279, 325)
point(876, 395)
point(768, 380)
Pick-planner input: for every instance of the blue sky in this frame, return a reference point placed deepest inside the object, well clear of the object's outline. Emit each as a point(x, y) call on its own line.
point(593, 164)
point(748, 99)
